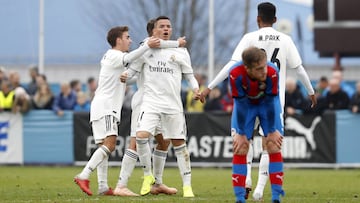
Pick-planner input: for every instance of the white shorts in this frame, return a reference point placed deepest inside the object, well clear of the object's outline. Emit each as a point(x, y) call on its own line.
point(173, 126)
point(104, 127)
point(135, 123)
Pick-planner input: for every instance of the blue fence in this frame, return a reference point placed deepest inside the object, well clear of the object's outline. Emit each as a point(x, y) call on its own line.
point(347, 137)
point(49, 139)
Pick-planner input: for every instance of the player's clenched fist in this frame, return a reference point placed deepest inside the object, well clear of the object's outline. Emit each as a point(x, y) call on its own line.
point(153, 42)
point(124, 76)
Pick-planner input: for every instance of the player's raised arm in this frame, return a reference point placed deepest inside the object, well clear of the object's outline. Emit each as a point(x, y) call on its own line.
point(181, 42)
point(152, 42)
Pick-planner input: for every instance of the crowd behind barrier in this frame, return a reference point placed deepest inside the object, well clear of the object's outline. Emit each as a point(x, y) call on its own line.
point(333, 93)
point(40, 122)
point(42, 137)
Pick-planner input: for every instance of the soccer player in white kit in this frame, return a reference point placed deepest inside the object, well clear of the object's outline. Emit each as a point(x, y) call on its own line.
point(280, 50)
point(159, 155)
point(107, 104)
point(163, 71)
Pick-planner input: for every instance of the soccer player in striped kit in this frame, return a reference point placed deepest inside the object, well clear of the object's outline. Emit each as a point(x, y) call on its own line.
point(254, 85)
point(280, 50)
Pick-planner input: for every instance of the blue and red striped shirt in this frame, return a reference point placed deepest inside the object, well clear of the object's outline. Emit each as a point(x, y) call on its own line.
point(243, 86)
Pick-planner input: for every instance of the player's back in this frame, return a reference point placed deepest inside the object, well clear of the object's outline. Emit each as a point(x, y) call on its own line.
point(280, 50)
point(279, 47)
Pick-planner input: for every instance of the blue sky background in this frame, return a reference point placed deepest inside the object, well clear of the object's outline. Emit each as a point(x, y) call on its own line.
point(71, 38)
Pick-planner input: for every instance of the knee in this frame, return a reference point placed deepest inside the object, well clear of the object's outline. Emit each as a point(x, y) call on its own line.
point(142, 134)
point(110, 143)
point(243, 149)
point(111, 147)
point(272, 147)
point(162, 144)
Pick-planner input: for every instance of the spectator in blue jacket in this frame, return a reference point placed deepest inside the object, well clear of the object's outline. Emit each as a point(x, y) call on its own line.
point(65, 100)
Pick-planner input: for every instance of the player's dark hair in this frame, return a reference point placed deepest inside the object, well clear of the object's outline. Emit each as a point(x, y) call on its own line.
point(161, 18)
point(252, 55)
point(115, 33)
point(267, 12)
point(150, 26)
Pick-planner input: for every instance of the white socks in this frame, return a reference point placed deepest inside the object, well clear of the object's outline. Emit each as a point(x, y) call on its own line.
point(102, 174)
point(127, 166)
point(249, 159)
point(263, 172)
point(183, 160)
point(159, 159)
point(99, 155)
point(144, 152)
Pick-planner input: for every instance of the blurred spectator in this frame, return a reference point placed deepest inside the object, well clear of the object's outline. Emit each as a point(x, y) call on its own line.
point(32, 86)
point(227, 102)
point(76, 85)
point(91, 88)
point(224, 87)
point(65, 100)
point(82, 102)
point(195, 105)
point(43, 98)
point(321, 87)
point(3, 75)
point(7, 96)
point(22, 101)
point(336, 98)
point(213, 102)
point(355, 100)
point(295, 102)
point(345, 86)
point(14, 79)
point(40, 80)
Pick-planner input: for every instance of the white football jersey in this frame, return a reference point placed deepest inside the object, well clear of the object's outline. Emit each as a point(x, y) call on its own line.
point(109, 95)
point(280, 50)
point(162, 79)
point(138, 95)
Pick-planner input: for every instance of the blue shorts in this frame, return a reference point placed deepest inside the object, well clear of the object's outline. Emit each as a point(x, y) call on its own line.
point(244, 115)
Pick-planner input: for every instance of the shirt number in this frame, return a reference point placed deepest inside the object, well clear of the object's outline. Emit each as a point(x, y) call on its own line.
point(275, 60)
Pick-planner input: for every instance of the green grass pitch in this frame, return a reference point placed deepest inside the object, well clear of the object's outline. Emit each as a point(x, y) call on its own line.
point(55, 184)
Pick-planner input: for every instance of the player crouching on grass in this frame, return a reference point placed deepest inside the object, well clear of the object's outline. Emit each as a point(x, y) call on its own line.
point(254, 86)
